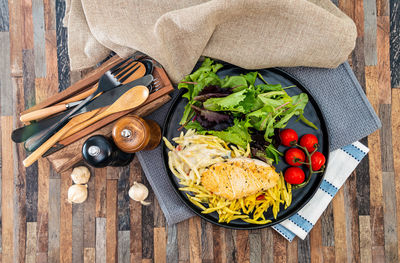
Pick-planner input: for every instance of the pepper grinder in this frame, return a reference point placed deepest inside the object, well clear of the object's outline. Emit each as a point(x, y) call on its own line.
point(132, 134)
point(99, 151)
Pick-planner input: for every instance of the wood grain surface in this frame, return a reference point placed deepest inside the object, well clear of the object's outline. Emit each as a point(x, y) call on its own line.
point(39, 225)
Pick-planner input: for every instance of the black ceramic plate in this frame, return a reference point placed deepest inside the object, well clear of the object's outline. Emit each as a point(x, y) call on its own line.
point(312, 112)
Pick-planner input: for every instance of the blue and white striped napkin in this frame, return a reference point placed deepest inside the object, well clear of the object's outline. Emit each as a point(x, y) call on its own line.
point(342, 163)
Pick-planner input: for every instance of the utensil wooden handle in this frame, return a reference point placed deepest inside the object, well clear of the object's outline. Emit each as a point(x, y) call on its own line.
point(84, 124)
point(140, 72)
point(80, 96)
point(46, 112)
point(43, 113)
point(46, 145)
point(33, 157)
point(125, 102)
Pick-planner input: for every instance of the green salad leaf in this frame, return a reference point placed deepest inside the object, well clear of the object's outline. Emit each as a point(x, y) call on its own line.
point(251, 77)
point(262, 88)
point(237, 134)
point(234, 81)
point(273, 153)
point(242, 101)
point(196, 126)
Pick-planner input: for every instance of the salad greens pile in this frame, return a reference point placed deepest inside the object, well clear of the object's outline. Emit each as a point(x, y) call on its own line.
point(238, 111)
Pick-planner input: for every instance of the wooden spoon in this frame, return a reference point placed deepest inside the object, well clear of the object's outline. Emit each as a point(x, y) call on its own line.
point(131, 99)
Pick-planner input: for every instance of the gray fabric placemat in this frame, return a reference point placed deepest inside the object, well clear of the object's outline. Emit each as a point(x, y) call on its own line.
point(348, 114)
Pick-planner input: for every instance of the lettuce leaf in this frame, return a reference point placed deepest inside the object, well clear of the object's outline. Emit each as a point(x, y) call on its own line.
point(250, 77)
point(242, 101)
point(234, 81)
point(237, 134)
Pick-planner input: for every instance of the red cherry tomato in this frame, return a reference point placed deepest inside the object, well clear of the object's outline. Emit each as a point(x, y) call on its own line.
point(288, 137)
point(294, 155)
point(310, 141)
point(317, 160)
point(294, 175)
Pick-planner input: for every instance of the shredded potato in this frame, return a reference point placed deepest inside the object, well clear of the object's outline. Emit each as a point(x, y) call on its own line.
point(195, 153)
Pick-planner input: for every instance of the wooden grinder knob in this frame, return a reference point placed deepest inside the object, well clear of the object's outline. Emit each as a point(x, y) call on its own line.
point(132, 134)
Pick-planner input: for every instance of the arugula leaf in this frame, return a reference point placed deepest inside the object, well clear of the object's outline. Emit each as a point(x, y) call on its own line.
point(194, 125)
point(262, 78)
point(269, 129)
point(273, 153)
point(300, 102)
point(276, 93)
point(285, 118)
point(187, 114)
point(309, 123)
point(262, 88)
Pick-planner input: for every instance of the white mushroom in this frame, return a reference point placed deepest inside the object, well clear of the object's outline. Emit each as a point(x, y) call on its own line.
point(139, 192)
point(80, 175)
point(77, 193)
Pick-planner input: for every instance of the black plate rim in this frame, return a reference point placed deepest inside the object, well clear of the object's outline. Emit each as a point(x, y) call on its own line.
point(193, 208)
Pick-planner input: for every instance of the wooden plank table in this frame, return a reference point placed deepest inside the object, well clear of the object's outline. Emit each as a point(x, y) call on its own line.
point(39, 225)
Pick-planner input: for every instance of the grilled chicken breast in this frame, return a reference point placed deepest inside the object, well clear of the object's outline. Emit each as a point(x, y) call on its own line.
point(239, 177)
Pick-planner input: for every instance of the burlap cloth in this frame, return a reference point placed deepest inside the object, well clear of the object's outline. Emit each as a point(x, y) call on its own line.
point(248, 33)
